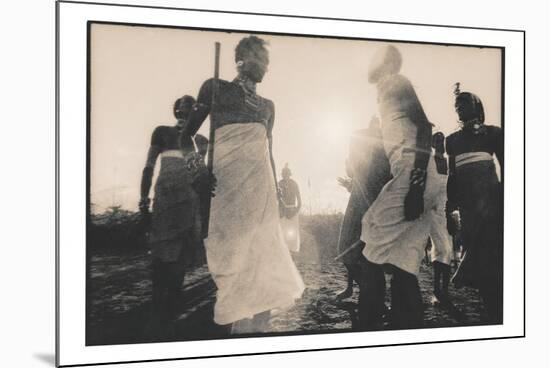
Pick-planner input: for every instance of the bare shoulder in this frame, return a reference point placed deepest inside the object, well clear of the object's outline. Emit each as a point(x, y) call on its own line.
point(161, 130)
point(270, 105)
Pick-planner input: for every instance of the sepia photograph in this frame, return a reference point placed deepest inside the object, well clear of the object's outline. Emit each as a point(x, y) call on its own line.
point(234, 184)
point(249, 184)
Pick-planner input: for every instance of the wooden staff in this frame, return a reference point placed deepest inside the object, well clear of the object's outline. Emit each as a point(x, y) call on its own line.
point(349, 249)
point(212, 136)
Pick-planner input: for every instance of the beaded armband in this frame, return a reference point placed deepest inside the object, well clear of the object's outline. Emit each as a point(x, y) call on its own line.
point(418, 178)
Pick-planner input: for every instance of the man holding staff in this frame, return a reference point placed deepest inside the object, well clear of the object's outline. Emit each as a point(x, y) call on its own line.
point(247, 255)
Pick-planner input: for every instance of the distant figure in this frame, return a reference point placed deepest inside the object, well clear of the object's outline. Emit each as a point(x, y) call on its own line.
point(396, 227)
point(368, 169)
point(442, 243)
point(175, 224)
point(246, 252)
point(474, 189)
point(290, 205)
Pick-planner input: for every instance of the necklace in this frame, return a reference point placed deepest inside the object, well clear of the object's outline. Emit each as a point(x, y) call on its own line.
point(248, 87)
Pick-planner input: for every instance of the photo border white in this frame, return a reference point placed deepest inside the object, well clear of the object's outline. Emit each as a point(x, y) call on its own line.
point(71, 140)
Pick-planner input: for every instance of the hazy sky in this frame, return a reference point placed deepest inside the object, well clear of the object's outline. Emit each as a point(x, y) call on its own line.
point(319, 87)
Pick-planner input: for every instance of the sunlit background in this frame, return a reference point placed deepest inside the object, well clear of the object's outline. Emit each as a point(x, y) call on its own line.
point(319, 87)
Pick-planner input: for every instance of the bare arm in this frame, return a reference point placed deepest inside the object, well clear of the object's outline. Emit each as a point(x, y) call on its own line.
point(414, 201)
point(270, 124)
point(452, 193)
point(423, 145)
point(147, 176)
point(499, 151)
point(451, 181)
point(200, 110)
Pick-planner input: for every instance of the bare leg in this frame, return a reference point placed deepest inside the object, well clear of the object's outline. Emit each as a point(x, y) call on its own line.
point(258, 323)
point(241, 326)
point(407, 308)
point(348, 291)
point(490, 290)
point(445, 279)
point(437, 279)
point(372, 291)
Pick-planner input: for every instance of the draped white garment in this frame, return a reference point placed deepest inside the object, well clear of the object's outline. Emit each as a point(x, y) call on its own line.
point(388, 237)
point(442, 243)
point(246, 251)
point(291, 231)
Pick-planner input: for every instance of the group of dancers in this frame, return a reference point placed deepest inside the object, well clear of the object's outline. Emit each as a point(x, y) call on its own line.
point(402, 192)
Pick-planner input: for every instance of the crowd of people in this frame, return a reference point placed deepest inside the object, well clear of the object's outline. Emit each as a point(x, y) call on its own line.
point(408, 186)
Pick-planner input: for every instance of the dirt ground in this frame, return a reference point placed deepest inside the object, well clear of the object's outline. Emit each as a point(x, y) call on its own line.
point(119, 294)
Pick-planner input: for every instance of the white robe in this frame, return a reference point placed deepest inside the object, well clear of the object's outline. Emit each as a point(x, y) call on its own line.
point(388, 237)
point(442, 242)
point(246, 251)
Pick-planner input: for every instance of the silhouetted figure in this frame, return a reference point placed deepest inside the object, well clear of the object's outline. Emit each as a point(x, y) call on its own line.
point(368, 170)
point(474, 189)
point(175, 222)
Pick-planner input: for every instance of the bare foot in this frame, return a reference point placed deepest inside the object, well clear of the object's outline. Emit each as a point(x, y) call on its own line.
point(348, 292)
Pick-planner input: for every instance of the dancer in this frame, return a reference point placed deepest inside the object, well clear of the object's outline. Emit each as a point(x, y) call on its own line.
point(474, 189)
point(175, 224)
point(368, 169)
point(246, 252)
point(290, 205)
point(397, 225)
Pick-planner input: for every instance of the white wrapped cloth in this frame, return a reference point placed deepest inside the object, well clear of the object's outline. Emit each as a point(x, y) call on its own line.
point(246, 251)
point(291, 230)
point(388, 237)
point(442, 242)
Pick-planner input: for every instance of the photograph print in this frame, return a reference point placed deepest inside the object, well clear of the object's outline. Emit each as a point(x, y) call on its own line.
point(249, 184)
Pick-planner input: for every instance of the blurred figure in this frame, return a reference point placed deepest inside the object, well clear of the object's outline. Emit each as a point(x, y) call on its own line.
point(368, 170)
point(290, 205)
point(474, 190)
point(397, 224)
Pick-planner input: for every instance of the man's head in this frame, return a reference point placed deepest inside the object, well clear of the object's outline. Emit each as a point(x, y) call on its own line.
point(386, 61)
point(286, 172)
point(252, 58)
point(202, 144)
point(183, 106)
point(469, 108)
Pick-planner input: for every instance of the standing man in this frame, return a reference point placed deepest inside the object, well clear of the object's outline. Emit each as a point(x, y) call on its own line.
point(174, 217)
point(247, 254)
point(290, 205)
point(474, 189)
